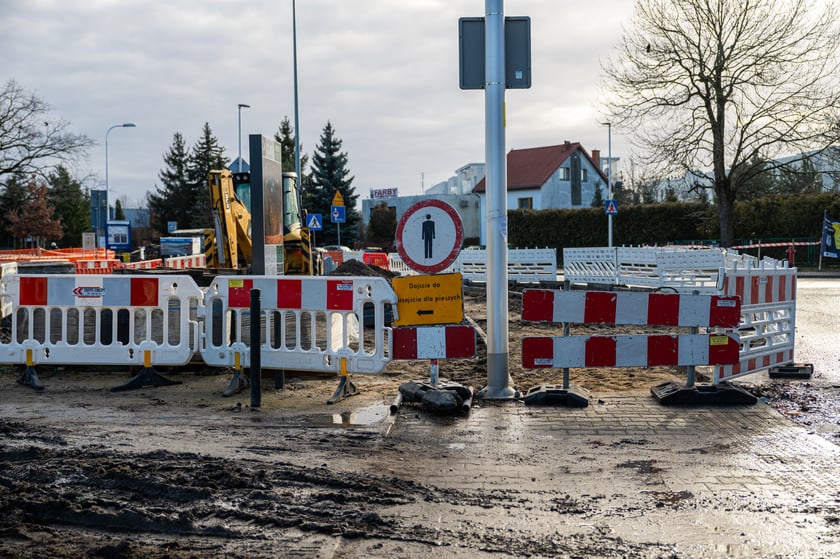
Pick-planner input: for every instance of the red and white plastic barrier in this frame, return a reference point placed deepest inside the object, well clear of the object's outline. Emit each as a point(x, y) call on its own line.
point(184, 262)
point(630, 308)
point(97, 266)
point(629, 351)
point(309, 323)
point(144, 264)
point(768, 308)
point(434, 342)
point(101, 320)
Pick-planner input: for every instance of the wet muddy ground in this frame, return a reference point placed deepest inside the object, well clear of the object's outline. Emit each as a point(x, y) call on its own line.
point(181, 471)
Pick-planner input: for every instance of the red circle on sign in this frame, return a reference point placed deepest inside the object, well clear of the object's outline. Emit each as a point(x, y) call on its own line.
point(450, 256)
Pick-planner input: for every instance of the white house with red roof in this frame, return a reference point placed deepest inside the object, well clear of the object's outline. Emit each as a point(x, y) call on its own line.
point(552, 177)
point(564, 176)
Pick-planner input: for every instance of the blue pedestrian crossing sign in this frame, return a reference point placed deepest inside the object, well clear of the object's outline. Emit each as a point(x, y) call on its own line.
point(314, 222)
point(337, 214)
point(611, 207)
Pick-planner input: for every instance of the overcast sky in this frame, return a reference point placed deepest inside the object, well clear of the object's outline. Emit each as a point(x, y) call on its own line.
point(384, 72)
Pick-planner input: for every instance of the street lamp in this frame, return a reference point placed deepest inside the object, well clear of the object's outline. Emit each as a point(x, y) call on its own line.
point(124, 125)
point(609, 183)
point(239, 108)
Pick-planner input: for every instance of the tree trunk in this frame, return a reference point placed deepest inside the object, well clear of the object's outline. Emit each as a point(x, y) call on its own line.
point(726, 215)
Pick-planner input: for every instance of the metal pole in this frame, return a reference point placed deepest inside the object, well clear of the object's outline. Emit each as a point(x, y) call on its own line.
point(107, 191)
point(498, 377)
point(256, 349)
point(297, 124)
point(609, 184)
point(239, 108)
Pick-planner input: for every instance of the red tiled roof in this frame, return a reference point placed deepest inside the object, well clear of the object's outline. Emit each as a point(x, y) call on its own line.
point(531, 167)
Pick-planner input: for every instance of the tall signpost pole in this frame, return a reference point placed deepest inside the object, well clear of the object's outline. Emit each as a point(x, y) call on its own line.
point(498, 377)
point(609, 185)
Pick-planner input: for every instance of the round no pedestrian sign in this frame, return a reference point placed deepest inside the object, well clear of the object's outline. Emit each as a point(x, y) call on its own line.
point(429, 236)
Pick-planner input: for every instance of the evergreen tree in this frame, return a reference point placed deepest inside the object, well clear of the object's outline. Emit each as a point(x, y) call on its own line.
point(171, 201)
point(119, 213)
point(598, 199)
point(754, 181)
point(206, 155)
point(330, 175)
point(799, 179)
point(11, 199)
point(382, 227)
point(285, 136)
point(71, 206)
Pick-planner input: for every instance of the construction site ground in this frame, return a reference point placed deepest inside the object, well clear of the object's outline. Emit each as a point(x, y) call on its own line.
point(181, 471)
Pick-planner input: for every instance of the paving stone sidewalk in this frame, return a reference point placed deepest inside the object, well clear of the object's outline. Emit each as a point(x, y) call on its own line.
point(657, 481)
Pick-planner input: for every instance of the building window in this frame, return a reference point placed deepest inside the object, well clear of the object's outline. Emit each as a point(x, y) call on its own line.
point(564, 173)
point(525, 203)
point(583, 175)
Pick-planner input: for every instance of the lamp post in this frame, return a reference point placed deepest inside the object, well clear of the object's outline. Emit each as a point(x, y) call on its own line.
point(239, 108)
point(124, 125)
point(609, 183)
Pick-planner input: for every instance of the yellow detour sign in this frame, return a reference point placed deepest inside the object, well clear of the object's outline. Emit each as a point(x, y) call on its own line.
point(435, 299)
point(338, 200)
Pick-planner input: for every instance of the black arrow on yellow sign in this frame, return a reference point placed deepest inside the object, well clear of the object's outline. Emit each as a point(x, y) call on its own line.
point(422, 312)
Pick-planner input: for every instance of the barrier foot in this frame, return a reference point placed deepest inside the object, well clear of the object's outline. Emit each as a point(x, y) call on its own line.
point(30, 378)
point(345, 389)
point(800, 371)
point(147, 377)
point(441, 397)
point(238, 383)
point(723, 394)
point(553, 395)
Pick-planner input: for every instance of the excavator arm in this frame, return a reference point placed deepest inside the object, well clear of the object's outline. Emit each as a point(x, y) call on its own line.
point(231, 224)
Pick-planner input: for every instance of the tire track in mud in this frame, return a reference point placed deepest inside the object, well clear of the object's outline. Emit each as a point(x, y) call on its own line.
point(93, 495)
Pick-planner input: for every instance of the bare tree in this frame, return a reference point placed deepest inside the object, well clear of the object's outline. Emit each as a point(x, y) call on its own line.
point(715, 84)
point(30, 141)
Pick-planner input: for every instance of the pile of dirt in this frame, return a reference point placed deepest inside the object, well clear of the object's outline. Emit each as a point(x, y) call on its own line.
point(356, 268)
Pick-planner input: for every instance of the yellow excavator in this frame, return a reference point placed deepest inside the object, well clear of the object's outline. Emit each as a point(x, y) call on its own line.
point(229, 243)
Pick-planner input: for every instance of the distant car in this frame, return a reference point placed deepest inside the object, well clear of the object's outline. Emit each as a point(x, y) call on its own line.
point(342, 248)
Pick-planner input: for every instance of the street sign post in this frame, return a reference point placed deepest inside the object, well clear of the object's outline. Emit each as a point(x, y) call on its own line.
point(429, 236)
point(435, 299)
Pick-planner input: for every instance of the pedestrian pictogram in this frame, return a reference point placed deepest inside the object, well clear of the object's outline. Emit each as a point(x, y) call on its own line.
point(429, 236)
point(315, 222)
point(611, 207)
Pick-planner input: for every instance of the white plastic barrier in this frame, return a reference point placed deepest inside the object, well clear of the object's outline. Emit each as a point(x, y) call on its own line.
point(589, 265)
point(101, 319)
point(524, 264)
point(324, 324)
point(767, 289)
point(768, 307)
point(681, 269)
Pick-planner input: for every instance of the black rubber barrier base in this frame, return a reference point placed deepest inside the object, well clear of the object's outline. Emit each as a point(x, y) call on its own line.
point(552, 395)
point(147, 377)
point(238, 383)
point(30, 378)
point(442, 397)
point(797, 370)
point(723, 394)
point(345, 389)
